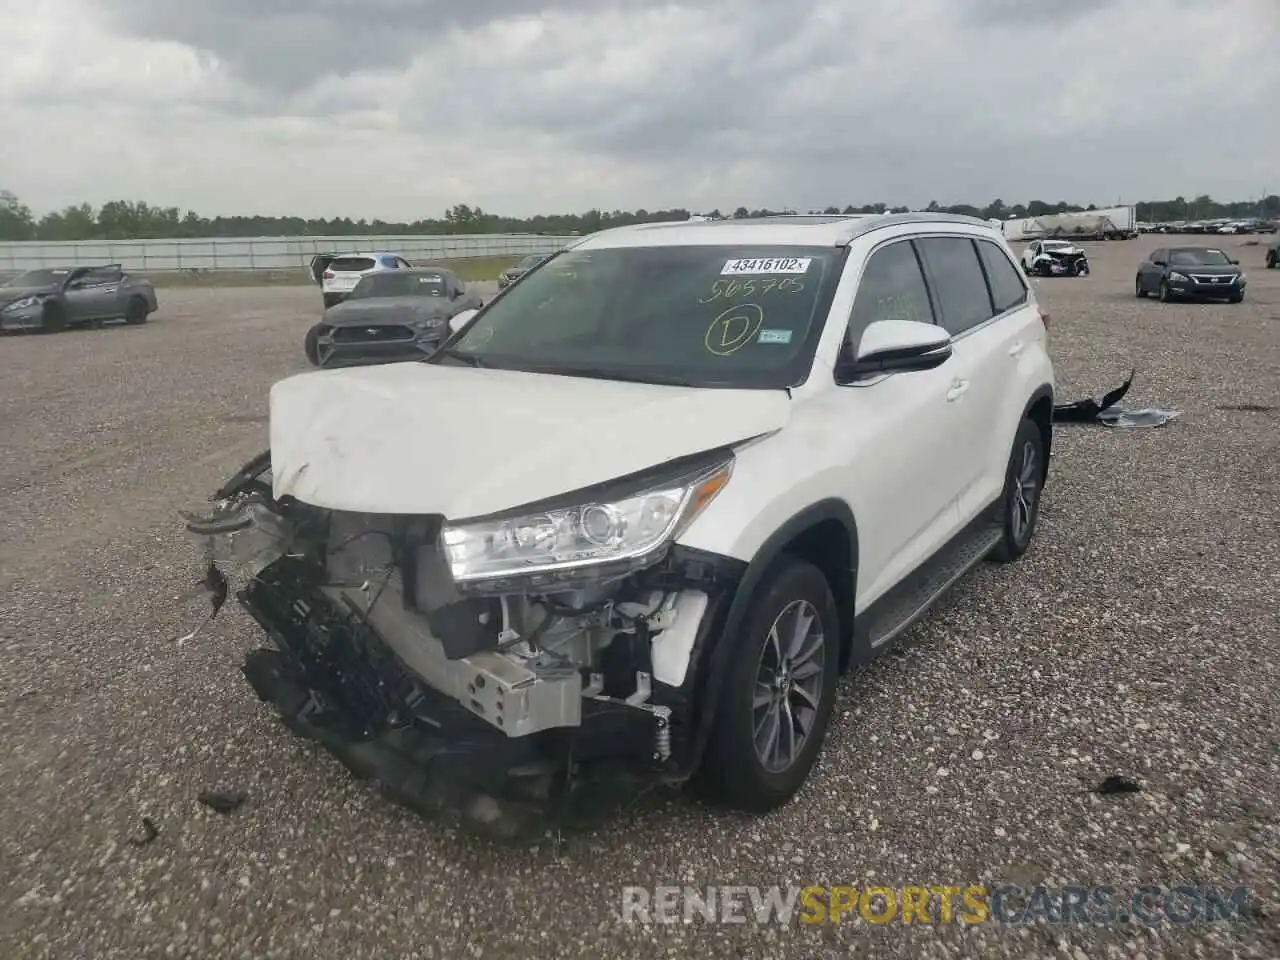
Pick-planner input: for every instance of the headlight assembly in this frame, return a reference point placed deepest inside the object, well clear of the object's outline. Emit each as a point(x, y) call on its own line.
point(1175, 275)
point(22, 304)
point(623, 534)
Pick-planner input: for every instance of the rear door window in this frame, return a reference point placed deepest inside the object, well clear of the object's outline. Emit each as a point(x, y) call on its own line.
point(958, 282)
point(1007, 287)
point(352, 264)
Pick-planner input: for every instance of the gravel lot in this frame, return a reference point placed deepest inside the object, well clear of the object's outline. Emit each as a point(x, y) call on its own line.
point(1138, 638)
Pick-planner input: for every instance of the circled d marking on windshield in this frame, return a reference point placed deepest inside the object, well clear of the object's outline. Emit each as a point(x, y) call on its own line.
point(734, 329)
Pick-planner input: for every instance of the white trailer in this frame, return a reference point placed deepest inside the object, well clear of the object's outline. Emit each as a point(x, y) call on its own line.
point(1108, 223)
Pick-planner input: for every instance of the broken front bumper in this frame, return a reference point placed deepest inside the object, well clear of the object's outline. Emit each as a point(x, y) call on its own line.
point(436, 719)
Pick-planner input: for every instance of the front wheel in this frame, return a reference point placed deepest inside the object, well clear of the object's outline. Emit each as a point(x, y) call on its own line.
point(778, 694)
point(1272, 259)
point(1138, 289)
point(1024, 482)
point(1165, 293)
point(1236, 297)
point(311, 346)
point(53, 319)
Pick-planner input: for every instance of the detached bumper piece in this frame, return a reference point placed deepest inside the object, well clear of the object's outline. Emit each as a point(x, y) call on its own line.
point(335, 681)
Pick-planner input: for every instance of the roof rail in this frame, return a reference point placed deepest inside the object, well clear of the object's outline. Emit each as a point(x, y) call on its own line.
point(866, 224)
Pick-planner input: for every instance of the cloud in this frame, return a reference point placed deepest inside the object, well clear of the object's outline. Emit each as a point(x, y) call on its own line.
point(400, 109)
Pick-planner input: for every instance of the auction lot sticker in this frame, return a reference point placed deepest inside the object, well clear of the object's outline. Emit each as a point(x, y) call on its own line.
point(737, 268)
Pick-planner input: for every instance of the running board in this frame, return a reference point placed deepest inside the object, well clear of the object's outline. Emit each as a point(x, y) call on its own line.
point(891, 615)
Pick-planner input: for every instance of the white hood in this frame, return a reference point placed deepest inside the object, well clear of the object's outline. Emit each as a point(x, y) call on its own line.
point(464, 442)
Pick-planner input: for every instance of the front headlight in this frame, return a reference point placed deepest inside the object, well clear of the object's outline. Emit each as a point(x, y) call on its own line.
point(22, 304)
point(625, 534)
point(1242, 279)
point(1175, 275)
point(431, 323)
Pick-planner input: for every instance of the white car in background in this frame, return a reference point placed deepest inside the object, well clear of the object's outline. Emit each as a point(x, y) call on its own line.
point(338, 274)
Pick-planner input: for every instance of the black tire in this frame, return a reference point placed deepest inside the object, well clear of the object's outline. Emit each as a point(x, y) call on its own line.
point(1042, 269)
point(733, 772)
point(1237, 297)
point(1138, 289)
point(135, 311)
point(311, 346)
point(1165, 294)
point(1271, 259)
point(1023, 486)
point(53, 319)
point(331, 298)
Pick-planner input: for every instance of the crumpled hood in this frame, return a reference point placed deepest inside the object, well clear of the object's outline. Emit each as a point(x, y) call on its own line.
point(383, 310)
point(1061, 251)
point(416, 438)
point(10, 294)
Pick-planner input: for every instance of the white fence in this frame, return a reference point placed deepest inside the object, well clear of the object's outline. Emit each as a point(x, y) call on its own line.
point(261, 253)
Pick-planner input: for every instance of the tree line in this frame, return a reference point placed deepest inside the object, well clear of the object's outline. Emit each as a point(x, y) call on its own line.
point(137, 220)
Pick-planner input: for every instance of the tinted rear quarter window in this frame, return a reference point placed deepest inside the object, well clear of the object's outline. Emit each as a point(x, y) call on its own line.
point(892, 288)
point(1007, 289)
point(958, 282)
point(352, 264)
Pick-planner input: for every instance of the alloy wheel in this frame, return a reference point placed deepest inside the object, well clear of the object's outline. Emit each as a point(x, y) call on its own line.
point(1026, 487)
point(788, 686)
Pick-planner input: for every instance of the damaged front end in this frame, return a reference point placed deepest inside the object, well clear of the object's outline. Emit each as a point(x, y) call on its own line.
point(495, 692)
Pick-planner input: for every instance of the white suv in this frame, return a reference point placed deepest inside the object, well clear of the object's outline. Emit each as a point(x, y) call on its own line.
point(338, 275)
point(691, 473)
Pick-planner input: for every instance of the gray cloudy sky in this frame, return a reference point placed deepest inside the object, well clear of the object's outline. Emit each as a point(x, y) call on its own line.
point(400, 108)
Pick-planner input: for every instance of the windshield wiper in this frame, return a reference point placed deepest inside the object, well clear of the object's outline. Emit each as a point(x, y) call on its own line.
point(603, 373)
point(453, 353)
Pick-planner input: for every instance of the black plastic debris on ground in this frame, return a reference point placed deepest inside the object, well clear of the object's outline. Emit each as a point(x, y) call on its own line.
point(1113, 785)
point(1109, 413)
point(221, 802)
point(149, 832)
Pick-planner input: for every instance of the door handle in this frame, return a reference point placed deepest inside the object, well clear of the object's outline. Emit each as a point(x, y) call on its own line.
point(1016, 348)
point(958, 389)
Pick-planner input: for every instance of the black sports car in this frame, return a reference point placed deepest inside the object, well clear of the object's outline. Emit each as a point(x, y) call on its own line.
point(391, 315)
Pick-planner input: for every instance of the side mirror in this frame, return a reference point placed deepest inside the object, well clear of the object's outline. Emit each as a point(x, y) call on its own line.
point(893, 346)
point(1160, 263)
point(1234, 260)
point(460, 320)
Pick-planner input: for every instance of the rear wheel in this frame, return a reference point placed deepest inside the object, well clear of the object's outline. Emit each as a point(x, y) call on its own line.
point(1024, 481)
point(778, 694)
point(331, 298)
point(136, 311)
point(1272, 258)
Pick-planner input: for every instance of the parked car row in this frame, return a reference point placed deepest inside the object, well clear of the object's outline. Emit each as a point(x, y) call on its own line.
point(1170, 273)
point(1252, 225)
point(52, 299)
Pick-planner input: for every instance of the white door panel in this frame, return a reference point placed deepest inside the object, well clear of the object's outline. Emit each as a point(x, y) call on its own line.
point(902, 438)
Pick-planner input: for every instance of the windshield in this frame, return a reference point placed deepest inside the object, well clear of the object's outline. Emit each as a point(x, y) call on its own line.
point(392, 284)
point(1199, 258)
point(694, 315)
point(1057, 245)
point(38, 278)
